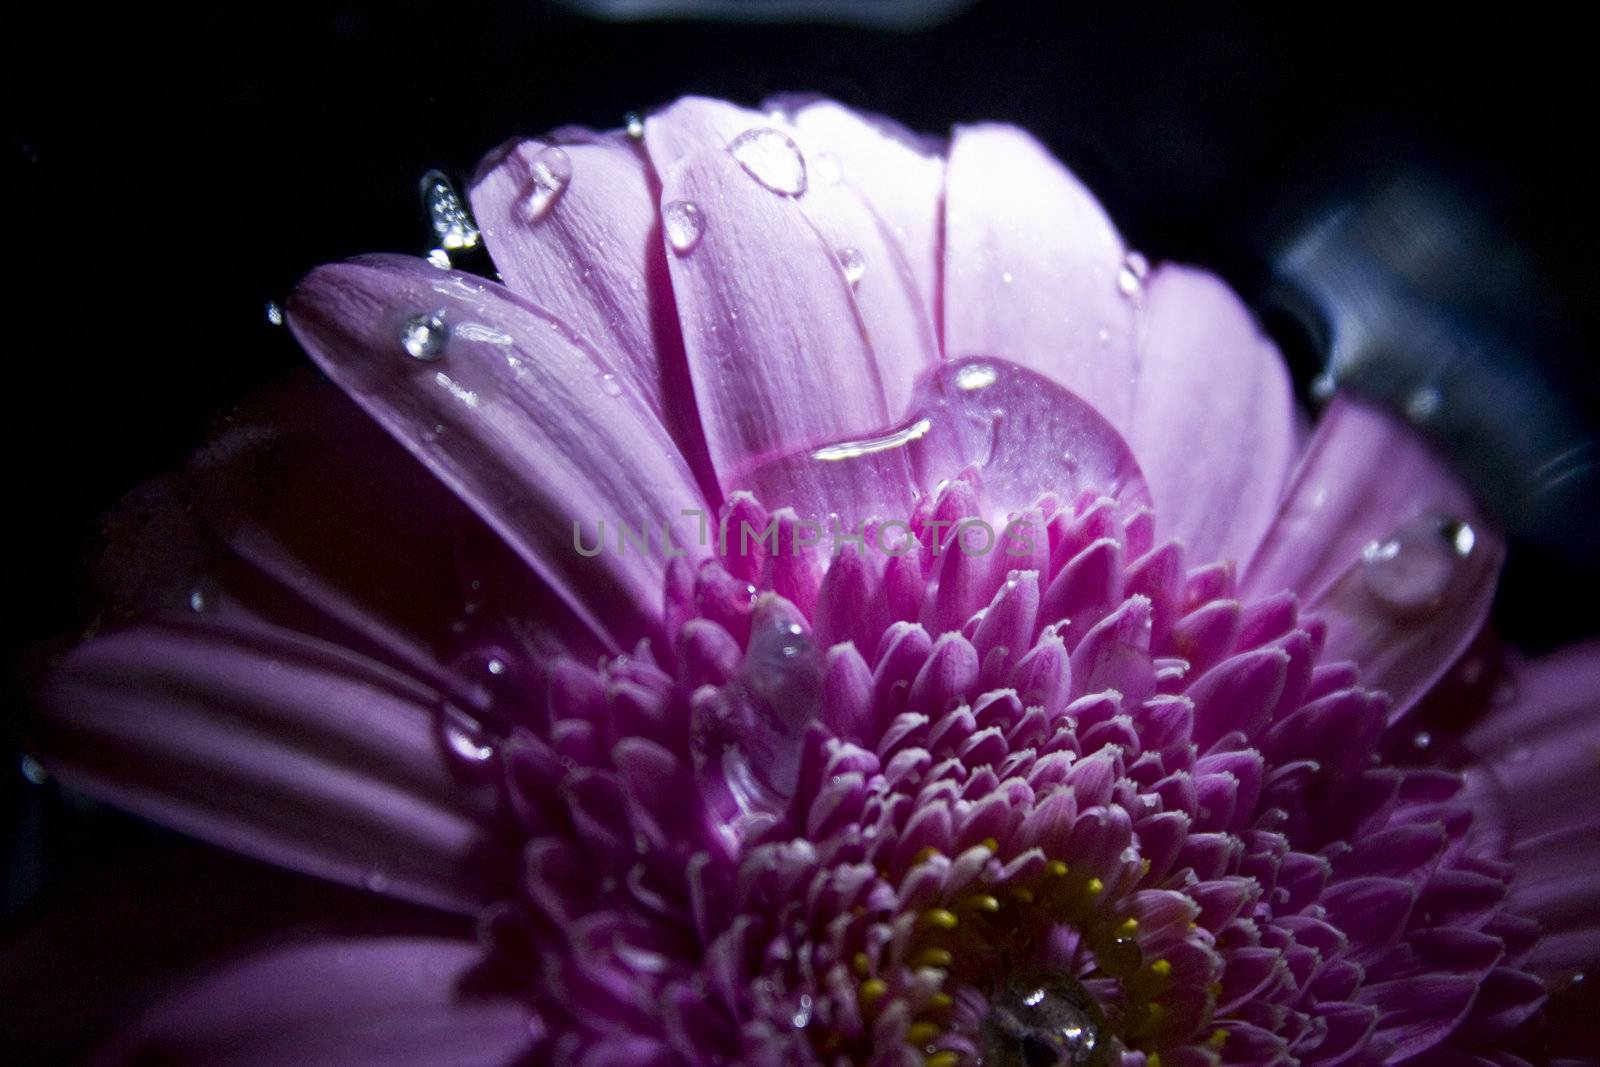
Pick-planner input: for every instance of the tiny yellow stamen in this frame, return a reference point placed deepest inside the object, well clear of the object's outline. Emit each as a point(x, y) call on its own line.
point(1153, 1060)
point(1128, 928)
point(1056, 869)
point(924, 1033)
point(1218, 1038)
point(991, 844)
point(1094, 887)
point(1023, 893)
point(1161, 968)
point(933, 957)
point(927, 853)
point(1144, 868)
point(941, 1001)
point(942, 918)
point(983, 902)
point(872, 991)
point(861, 963)
point(946, 1058)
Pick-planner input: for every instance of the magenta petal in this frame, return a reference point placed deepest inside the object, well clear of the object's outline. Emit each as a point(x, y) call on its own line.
point(279, 747)
point(348, 1001)
point(1213, 419)
point(528, 426)
point(1386, 545)
point(1050, 304)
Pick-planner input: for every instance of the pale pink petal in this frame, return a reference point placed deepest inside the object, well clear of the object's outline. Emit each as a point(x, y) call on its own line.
point(1031, 269)
point(531, 428)
point(1213, 419)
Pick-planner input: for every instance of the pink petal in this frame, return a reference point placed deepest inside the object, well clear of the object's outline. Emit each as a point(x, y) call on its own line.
point(1031, 267)
point(277, 746)
point(529, 427)
point(594, 260)
point(1370, 535)
point(1213, 418)
point(349, 1001)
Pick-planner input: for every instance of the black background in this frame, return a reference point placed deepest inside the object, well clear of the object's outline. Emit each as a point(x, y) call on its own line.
point(165, 177)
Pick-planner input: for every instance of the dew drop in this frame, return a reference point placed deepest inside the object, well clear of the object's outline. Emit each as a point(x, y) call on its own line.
point(853, 265)
point(1130, 279)
point(1044, 1021)
point(274, 313)
point(424, 335)
point(439, 258)
point(633, 124)
point(1422, 739)
point(772, 158)
point(802, 1014)
point(1006, 277)
point(609, 383)
point(453, 227)
point(552, 171)
point(1411, 571)
point(464, 737)
point(683, 224)
point(33, 771)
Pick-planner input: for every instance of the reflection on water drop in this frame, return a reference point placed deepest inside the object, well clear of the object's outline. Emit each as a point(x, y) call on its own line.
point(772, 158)
point(853, 265)
point(1323, 386)
point(633, 124)
point(975, 376)
point(453, 227)
point(439, 258)
point(464, 737)
point(1412, 570)
point(33, 771)
point(609, 383)
point(683, 224)
point(1423, 404)
point(802, 1014)
point(552, 171)
point(1130, 278)
point(1422, 739)
point(1046, 1020)
point(424, 335)
point(274, 313)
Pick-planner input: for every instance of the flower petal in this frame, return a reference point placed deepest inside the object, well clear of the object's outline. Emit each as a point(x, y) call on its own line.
point(277, 746)
point(1031, 268)
point(528, 427)
point(594, 260)
point(1380, 539)
point(348, 1000)
point(1213, 419)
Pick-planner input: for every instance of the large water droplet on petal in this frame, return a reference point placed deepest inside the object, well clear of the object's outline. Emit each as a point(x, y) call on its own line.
point(465, 738)
point(424, 335)
point(633, 125)
point(1045, 1021)
point(453, 228)
point(552, 170)
point(683, 224)
point(1412, 570)
point(853, 265)
point(782, 679)
point(772, 158)
point(1130, 279)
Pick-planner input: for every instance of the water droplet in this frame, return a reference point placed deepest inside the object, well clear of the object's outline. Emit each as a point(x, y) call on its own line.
point(853, 265)
point(1411, 571)
point(1130, 279)
point(1045, 1021)
point(772, 158)
point(1422, 739)
point(609, 383)
point(1006, 277)
point(829, 167)
point(33, 771)
point(633, 123)
point(1423, 404)
point(552, 171)
point(274, 313)
point(198, 602)
point(424, 335)
point(802, 1015)
point(464, 737)
point(452, 225)
point(976, 376)
point(439, 258)
point(683, 225)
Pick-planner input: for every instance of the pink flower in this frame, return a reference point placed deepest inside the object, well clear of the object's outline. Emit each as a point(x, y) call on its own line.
point(836, 604)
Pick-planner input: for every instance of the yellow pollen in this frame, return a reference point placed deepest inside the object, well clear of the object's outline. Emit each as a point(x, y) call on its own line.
point(1023, 893)
point(1153, 1060)
point(1144, 868)
point(1128, 928)
point(1161, 968)
point(1218, 1038)
point(1056, 868)
point(933, 957)
point(943, 918)
point(872, 991)
point(923, 1033)
point(927, 853)
point(941, 1001)
point(983, 902)
point(1094, 887)
point(861, 963)
point(943, 1059)
point(991, 844)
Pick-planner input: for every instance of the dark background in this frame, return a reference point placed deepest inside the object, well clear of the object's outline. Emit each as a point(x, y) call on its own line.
point(166, 177)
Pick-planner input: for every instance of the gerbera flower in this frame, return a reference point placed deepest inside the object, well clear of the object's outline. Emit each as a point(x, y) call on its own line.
point(836, 604)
